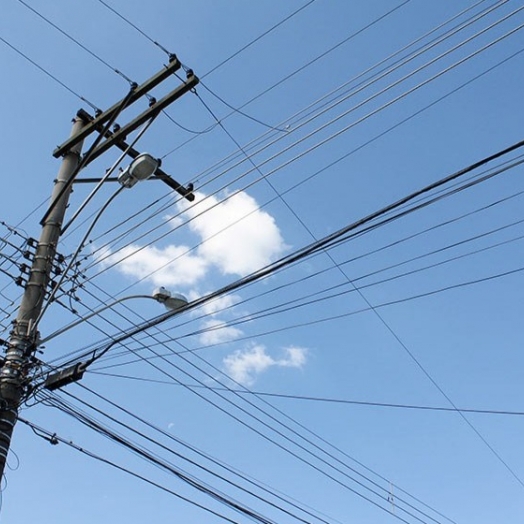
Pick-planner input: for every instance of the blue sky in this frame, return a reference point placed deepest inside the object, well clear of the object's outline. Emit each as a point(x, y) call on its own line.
point(309, 116)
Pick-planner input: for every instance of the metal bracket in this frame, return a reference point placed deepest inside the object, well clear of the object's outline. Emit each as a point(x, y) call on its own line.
point(186, 192)
point(173, 66)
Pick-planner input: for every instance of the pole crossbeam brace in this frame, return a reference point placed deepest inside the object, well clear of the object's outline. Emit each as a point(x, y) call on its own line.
point(186, 192)
point(151, 112)
point(173, 66)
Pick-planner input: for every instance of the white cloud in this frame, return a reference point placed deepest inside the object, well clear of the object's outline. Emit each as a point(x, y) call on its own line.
point(174, 220)
point(234, 236)
point(295, 357)
point(238, 236)
point(218, 304)
point(170, 266)
point(244, 366)
point(219, 332)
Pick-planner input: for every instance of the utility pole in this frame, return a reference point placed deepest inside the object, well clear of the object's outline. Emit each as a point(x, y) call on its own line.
point(15, 368)
point(24, 336)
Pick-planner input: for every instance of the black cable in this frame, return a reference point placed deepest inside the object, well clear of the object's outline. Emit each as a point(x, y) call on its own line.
point(50, 75)
point(370, 306)
point(328, 400)
point(263, 435)
point(179, 455)
point(381, 73)
point(239, 111)
point(308, 277)
point(316, 468)
point(355, 279)
point(164, 372)
point(327, 241)
point(330, 165)
point(79, 44)
point(259, 37)
point(186, 129)
point(122, 17)
point(85, 451)
point(481, 74)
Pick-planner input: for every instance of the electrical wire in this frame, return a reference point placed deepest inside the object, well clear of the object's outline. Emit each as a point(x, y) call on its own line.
point(383, 322)
point(82, 449)
point(363, 276)
point(187, 459)
point(379, 74)
point(77, 42)
point(342, 234)
point(378, 315)
point(295, 158)
point(49, 74)
point(328, 400)
point(316, 468)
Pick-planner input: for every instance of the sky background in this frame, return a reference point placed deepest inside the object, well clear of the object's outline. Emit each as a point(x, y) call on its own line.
point(309, 116)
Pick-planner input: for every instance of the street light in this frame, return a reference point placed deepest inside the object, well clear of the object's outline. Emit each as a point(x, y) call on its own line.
point(172, 301)
point(70, 374)
point(142, 167)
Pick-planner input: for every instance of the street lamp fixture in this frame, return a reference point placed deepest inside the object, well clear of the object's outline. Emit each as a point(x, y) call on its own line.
point(74, 373)
point(172, 301)
point(142, 167)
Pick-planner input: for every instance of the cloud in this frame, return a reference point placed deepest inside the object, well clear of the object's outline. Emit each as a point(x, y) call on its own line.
point(238, 236)
point(219, 332)
point(218, 304)
point(169, 266)
point(244, 366)
point(234, 236)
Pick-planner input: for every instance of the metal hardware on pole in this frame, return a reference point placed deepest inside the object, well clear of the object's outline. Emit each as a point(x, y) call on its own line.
point(24, 335)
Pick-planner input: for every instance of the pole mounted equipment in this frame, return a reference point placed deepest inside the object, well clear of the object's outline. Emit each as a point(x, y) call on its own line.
point(24, 336)
point(141, 168)
point(173, 66)
point(186, 192)
point(19, 361)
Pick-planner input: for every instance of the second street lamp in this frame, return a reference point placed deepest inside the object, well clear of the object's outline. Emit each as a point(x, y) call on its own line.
point(172, 301)
point(73, 373)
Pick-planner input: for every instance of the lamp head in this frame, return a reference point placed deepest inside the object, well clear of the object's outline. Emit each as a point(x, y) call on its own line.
point(141, 168)
point(170, 300)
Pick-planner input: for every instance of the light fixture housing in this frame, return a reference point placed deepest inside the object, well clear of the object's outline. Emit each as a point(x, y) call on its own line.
point(141, 168)
point(170, 300)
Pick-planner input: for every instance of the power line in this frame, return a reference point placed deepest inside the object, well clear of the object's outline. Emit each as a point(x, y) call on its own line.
point(193, 449)
point(345, 156)
point(341, 235)
point(259, 37)
point(50, 75)
point(329, 400)
point(386, 70)
point(418, 112)
point(331, 137)
point(53, 437)
point(134, 26)
point(77, 42)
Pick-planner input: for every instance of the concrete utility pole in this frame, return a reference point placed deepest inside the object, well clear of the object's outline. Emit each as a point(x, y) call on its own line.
point(15, 369)
point(24, 336)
